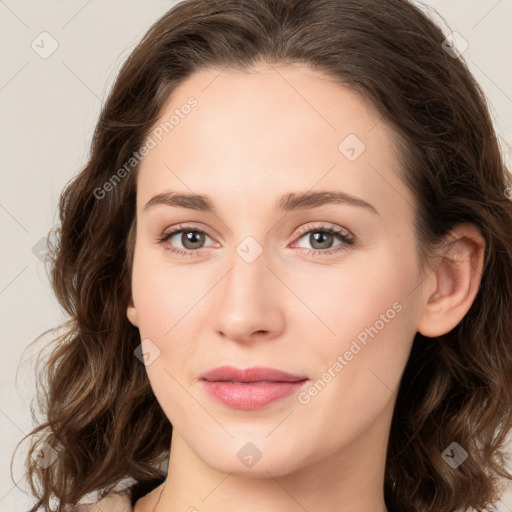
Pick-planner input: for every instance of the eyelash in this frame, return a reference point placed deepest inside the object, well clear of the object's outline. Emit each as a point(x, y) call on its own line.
point(346, 240)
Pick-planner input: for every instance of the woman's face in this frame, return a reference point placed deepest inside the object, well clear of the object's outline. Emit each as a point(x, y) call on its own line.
point(255, 280)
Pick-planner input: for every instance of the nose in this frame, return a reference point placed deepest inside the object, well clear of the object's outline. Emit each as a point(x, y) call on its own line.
point(250, 301)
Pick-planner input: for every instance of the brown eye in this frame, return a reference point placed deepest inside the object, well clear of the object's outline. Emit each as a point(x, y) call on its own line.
point(321, 240)
point(192, 239)
point(184, 240)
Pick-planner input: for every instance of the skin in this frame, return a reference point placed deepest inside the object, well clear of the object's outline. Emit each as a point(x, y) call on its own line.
point(255, 136)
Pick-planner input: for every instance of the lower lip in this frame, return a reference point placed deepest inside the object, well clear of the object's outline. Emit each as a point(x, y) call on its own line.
point(253, 395)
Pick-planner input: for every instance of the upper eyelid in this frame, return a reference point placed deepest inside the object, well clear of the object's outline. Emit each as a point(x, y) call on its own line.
point(299, 234)
point(325, 226)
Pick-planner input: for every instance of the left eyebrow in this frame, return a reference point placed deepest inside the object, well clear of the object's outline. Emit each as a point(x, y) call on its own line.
point(288, 202)
point(306, 200)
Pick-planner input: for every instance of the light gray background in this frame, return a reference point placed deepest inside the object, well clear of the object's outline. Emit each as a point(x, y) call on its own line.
point(49, 107)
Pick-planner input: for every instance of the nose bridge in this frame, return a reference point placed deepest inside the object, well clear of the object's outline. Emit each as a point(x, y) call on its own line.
point(248, 301)
point(248, 277)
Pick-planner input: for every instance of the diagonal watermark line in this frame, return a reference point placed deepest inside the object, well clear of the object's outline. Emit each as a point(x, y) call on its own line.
point(486, 14)
point(214, 78)
point(421, 282)
point(279, 423)
point(285, 490)
point(210, 414)
point(222, 481)
point(303, 97)
point(301, 300)
point(198, 301)
point(382, 381)
point(81, 80)
point(13, 279)
point(375, 124)
point(14, 76)
point(501, 502)
point(3, 3)
point(404, 198)
point(505, 143)
point(425, 278)
point(13, 217)
point(160, 496)
point(8, 417)
point(76, 14)
point(492, 81)
point(13, 487)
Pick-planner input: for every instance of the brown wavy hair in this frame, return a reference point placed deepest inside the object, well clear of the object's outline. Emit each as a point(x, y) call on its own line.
point(100, 414)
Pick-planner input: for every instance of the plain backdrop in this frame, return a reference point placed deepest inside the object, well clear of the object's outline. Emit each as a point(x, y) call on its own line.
point(48, 109)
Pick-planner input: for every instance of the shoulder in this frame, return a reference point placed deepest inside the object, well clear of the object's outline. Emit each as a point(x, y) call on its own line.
point(117, 500)
point(121, 497)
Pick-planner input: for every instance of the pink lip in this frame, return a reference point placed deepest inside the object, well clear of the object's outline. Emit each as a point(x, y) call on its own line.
point(251, 388)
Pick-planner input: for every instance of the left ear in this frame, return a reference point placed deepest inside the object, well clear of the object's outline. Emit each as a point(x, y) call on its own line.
point(454, 282)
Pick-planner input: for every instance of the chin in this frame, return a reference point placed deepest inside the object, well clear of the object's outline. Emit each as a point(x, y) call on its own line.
point(252, 459)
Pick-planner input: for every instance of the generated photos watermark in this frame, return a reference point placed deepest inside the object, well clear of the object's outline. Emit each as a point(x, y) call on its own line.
point(305, 396)
point(150, 143)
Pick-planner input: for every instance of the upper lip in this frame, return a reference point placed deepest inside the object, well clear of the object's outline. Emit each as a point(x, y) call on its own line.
point(254, 374)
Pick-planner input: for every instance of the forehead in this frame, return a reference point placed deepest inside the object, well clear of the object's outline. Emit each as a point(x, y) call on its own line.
point(267, 131)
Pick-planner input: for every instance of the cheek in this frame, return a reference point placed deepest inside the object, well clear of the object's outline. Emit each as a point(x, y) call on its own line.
point(167, 300)
point(357, 374)
point(165, 308)
point(368, 301)
point(369, 317)
point(163, 292)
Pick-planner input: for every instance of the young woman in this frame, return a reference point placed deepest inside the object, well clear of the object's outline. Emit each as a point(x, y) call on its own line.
point(288, 270)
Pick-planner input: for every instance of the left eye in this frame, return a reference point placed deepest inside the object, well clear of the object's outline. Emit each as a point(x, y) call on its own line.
point(192, 240)
point(323, 236)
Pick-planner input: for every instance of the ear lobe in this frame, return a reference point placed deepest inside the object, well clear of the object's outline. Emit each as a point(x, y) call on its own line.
point(456, 279)
point(131, 314)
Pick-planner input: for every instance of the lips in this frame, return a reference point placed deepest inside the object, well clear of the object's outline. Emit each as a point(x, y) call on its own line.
point(255, 374)
point(251, 388)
